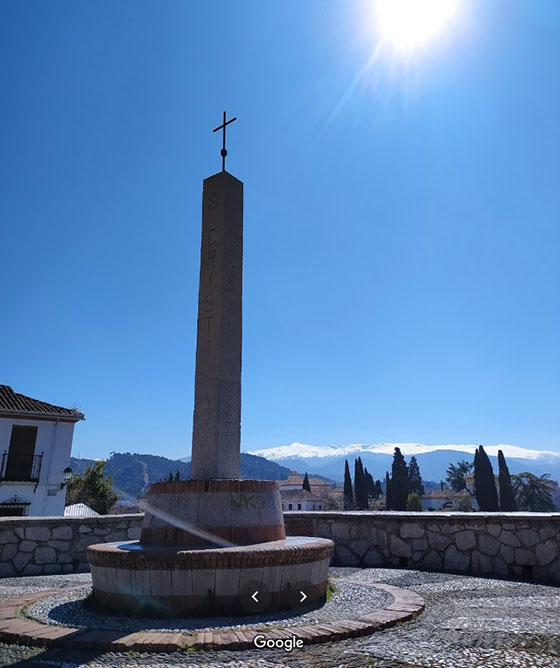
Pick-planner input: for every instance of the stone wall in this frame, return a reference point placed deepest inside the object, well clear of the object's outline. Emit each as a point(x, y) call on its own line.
point(45, 545)
point(515, 545)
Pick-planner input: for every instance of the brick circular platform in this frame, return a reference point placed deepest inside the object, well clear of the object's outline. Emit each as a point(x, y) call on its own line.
point(206, 513)
point(15, 628)
point(170, 581)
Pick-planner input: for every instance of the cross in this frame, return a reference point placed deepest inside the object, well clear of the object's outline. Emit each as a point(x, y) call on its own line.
point(222, 127)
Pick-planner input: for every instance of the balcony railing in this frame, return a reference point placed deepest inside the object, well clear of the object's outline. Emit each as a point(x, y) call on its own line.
point(20, 468)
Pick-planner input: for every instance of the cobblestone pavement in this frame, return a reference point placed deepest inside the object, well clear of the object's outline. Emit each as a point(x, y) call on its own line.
point(468, 623)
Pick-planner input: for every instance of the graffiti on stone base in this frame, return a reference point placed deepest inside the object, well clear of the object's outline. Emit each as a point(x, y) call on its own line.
point(244, 501)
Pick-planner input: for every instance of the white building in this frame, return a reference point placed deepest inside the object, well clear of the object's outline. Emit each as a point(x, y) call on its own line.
point(300, 499)
point(35, 446)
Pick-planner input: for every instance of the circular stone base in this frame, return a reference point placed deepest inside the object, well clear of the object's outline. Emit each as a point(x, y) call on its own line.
point(139, 579)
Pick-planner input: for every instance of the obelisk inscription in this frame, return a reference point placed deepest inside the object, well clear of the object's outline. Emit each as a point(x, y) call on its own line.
point(217, 392)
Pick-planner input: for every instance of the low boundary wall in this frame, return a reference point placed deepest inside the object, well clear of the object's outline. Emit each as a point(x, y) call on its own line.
point(514, 545)
point(45, 545)
point(510, 545)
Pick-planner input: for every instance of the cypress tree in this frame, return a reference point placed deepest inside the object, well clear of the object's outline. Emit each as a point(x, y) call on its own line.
point(388, 493)
point(370, 485)
point(378, 489)
point(507, 497)
point(399, 481)
point(305, 484)
point(414, 477)
point(485, 485)
point(177, 476)
point(348, 491)
point(360, 492)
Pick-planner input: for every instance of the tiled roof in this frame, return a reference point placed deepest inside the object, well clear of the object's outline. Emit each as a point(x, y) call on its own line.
point(79, 510)
point(298, 495)
point(12, 403)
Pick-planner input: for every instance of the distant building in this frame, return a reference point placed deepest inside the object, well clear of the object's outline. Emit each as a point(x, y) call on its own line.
point(295, 481)
point(79, 510)
point(300, 499)
point(35, 446)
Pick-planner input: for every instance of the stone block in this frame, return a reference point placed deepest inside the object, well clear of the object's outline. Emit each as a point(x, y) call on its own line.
point(84, 528)
point(499, 567)
point(51, 569)
point(480, 563)
point(525, 557)
point(8, 536)
point(412, 530)
point(21, 560)
point(319, 572)
point(494, 530)
point(64, 558)
point(227, 580)
point(344, 557)
point(549, 532)
point(419, 544)
point(289, 577)
point(38, 533)
point(433, 561)
point(399, 548)
point(506, 552)
point(437, 541)
point(62, 533)
point(509, 538)
point(547, 552)
point(488, 545)
point(85, 542)
point(101, 531)
point(27, 545)
point(67, 568)
point(60, 545)
point(20, 532)
point(9, 550)
point(528, 537)
point(340, 530)
point(44, 555)
point(465, 540)
point(182, 582)
point(7, 570)
point(359, 531)
point(455, 560)
point(33, 569)
point(372, 558)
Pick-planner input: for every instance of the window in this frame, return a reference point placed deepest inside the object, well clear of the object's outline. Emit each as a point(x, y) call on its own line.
point(289, 506)
point(14, 507)
point(299, 506)
point(313, 506)
point(20, 463)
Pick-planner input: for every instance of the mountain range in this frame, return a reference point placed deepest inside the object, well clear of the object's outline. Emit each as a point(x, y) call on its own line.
point(433, 460)
point(133, 473)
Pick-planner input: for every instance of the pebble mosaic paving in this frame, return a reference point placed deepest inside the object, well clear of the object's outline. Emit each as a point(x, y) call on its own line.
point(468, 622)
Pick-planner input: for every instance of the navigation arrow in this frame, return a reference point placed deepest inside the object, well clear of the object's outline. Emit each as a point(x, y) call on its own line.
point(254, 596)
point(303, 596)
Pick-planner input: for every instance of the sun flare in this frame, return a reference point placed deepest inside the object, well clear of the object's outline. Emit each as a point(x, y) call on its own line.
point(410, 24)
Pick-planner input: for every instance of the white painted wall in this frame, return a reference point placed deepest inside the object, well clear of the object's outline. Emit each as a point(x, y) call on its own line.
point(54, 439)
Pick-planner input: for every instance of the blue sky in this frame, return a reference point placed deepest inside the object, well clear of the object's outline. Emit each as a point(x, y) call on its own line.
point(401, 234)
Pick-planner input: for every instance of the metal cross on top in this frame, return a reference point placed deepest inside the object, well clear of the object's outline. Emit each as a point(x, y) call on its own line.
point(222, 127)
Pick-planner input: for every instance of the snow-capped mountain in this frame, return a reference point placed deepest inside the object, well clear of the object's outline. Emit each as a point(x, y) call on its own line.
point(328, 460)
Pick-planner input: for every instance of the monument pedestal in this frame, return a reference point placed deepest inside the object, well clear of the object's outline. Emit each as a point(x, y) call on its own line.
point(202, 543)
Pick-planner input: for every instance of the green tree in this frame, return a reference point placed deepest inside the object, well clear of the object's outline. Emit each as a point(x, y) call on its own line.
point(533, 493)
point(348, 491)
point(414, 478)
point(305, 484)
point(399, 481)
point(360, 491)
point(370, 484)
point(484, 482)
point(92, 488)
point(378, 489)
point(507, 496)
point(456, 474)
point(464, 502)
point(413, 502)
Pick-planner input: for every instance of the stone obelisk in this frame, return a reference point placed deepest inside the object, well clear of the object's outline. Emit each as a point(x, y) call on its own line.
point(217, 393)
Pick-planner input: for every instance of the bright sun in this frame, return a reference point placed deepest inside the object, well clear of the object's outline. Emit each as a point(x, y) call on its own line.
point(410, 24)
